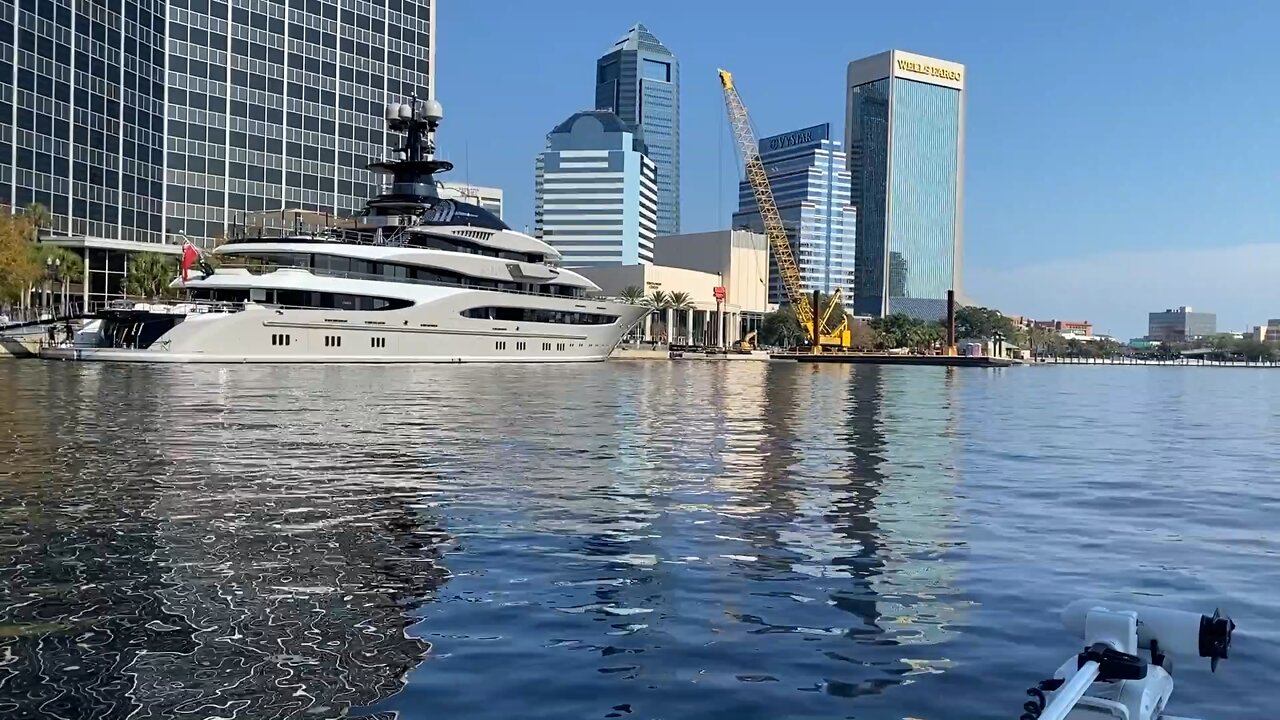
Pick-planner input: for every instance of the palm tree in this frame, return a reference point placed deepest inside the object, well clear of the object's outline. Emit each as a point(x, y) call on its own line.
point(632, 295)
point(658, 301)
point(681, 302)
point(39, 217)
point(149, 274)
point(64, 266)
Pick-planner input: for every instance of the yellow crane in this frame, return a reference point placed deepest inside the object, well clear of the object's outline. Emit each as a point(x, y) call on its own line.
point(823, 330)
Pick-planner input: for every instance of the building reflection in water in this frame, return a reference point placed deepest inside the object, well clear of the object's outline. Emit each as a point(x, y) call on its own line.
point(180, 561)
point(846, 484)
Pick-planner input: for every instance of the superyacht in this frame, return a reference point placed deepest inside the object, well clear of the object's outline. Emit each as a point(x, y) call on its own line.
point(414, 278)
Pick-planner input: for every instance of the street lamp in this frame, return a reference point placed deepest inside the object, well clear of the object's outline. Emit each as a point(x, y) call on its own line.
point(52, 266)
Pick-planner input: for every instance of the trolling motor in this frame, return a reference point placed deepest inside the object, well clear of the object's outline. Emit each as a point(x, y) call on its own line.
point(1108, 679)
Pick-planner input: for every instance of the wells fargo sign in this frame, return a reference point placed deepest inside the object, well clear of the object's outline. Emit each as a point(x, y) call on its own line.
point(912, 66)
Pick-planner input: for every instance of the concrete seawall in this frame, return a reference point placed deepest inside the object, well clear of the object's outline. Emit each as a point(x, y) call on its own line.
point(630, 354)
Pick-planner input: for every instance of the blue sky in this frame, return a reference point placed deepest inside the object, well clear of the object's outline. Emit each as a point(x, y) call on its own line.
point(1121, 157)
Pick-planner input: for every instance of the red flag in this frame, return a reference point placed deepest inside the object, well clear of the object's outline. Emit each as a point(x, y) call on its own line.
point(189, 256)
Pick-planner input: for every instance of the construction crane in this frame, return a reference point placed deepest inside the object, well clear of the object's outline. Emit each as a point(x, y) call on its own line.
point(823, 330)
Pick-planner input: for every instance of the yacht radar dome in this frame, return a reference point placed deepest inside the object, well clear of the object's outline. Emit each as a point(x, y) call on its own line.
point(433, 111)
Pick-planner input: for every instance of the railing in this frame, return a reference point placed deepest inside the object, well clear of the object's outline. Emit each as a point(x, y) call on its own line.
point(261, 268)
point(16, 318)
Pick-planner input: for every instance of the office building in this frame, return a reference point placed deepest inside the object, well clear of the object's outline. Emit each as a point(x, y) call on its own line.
point(141, 121)
point(489, 198)
point(596, 192)
point(1180, 324)
point(904, 133)
point(1271, 332)
point(639, 81)
point(811, 184)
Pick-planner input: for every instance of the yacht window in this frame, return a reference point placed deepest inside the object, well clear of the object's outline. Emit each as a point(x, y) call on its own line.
point(515, 314)
point(332, 301)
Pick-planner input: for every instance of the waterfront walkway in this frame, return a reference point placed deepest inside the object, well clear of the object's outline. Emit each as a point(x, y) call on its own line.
point(1180, 362)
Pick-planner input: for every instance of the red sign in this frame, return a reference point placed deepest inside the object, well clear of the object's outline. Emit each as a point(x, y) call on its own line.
point(719, 293)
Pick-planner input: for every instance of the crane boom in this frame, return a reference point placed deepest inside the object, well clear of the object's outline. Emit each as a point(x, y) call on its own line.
point(774, 231)
point(773, 228)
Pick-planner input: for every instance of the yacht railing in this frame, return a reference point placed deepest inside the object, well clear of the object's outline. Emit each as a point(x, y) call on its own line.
point(263, 268)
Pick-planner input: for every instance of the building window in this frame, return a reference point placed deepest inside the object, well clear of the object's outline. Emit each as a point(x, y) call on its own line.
point(657, 70)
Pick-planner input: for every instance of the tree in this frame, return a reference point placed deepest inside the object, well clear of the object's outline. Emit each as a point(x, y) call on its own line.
point(680, 302)
point(18, 266)
point(896, 330)
point(632, 295)
point(781, 328)
point(862, 336)
point(1040, 339)
point(65, 265)
point(149, 275)
point(39, 217)
point(979, 323)
point(1256, 350)
point(657, 301)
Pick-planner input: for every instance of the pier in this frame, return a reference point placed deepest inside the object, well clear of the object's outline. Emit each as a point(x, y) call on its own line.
point(891, 359)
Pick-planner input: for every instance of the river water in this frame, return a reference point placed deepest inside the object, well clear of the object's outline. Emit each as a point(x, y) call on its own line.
point(617, 540)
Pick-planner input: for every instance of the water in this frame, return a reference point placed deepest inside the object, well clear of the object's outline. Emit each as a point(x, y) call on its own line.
point(634, 540)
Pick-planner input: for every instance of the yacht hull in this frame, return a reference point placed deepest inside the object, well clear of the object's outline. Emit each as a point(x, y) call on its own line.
point(435, 332)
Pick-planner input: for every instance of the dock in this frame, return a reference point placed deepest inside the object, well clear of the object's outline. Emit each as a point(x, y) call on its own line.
point(857, 358)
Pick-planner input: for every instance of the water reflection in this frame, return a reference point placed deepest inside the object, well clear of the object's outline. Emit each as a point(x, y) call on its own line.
point(158, 560)
point(653, 539)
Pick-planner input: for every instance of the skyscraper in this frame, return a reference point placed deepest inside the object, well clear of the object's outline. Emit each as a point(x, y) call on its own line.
point(596, 192)
point(905, 138)
point(639, 81)
point(810, 182)
point(141, 120)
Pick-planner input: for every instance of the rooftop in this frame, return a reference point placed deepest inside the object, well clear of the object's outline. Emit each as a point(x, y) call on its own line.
point(639, 38)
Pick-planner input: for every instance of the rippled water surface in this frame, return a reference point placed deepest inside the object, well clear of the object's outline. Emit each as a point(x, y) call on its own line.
point(617, 540)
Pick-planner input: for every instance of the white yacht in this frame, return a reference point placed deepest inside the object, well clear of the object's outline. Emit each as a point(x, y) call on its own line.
point(415, 278)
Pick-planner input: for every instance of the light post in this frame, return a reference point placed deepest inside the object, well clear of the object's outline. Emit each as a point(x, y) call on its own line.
point(51, 266)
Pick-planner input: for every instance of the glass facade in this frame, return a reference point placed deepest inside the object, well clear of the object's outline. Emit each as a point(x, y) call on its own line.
point(869, 161)
point(639, 81)
point(146, 119)
point(811, 185)
point(906, 182)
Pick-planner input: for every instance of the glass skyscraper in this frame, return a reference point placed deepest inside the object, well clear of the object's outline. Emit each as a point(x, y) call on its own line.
point(639, 81)
point(905, 138)
point(811, 186)
point(139, 121)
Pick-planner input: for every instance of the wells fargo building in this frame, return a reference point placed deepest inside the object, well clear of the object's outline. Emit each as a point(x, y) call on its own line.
point(904, 133)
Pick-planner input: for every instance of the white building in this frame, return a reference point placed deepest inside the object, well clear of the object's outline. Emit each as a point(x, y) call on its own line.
point(489, 198)
point(596, 193)
point(695, 265)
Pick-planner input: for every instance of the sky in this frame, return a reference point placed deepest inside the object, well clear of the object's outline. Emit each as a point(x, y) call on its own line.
point(1121, 157)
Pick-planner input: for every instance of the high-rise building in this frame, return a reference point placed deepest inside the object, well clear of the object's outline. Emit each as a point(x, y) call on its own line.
point(1180, 324)
point(639, 81)
point(810, 180)
point(143, 120)
point(904, 133)
point(596, 192)
point(489, 198)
